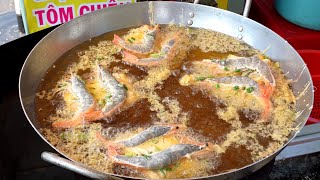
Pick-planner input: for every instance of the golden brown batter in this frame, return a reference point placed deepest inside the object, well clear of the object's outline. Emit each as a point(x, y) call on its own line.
point(175, 89)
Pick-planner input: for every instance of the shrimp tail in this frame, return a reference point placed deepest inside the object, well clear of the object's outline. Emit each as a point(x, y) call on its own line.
point(80, 118)
point(111, 146)
point(93, 116)
point(208, 149)
point(268, 91)
point(77, 120)
point(266, 112)
point(117, 40)
point(189, 140)
point(130, 58)
point(266, 94)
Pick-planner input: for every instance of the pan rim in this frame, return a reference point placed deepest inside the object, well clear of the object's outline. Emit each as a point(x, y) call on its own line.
point(300, 126)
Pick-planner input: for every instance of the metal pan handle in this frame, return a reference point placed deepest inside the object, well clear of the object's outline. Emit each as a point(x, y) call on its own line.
point(246, 9)
point(75, 167)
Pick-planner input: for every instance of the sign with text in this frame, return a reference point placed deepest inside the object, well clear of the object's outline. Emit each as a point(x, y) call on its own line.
point(41, 14)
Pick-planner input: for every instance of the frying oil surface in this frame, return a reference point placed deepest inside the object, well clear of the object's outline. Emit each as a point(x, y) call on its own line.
point(175, 92)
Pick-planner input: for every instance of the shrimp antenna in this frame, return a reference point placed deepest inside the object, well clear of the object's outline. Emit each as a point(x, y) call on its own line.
point(266, 49)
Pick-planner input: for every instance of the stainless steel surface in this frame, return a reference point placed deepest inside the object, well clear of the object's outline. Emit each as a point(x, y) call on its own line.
point(247, 7)
point(75, 167)
point(94, 24)
point(306, 142)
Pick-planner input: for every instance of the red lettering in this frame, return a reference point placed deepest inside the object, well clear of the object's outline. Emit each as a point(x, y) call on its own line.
point(66, 14)
point(113, 4)
point(104, 5)
point(39, 16)
point(112, 1)
point(52, 16)
point(84, 10)
point(92, 7)
point(98, 6)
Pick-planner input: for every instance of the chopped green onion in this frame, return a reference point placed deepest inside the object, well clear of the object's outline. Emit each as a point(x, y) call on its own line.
point(213, 61)
point(130, 40)
point(129, 154)
point(226, 69)
point(243, 88)
point(237, 70)
point(146, 156)
point(155, 141)
point(157, 55)
point(249, 89)
point(108, 98)
point(200, 78)
point(217, 86)
point(80, 79)
point(133, 38)
point(99, 58)
point(157, 148)
point(63, 136)
point(236, 88)
point(62, 85)
point(249, 72)
point(82, 137)
point(163, 172)
point(102, 102)
point(148, 34)
point(123, 86)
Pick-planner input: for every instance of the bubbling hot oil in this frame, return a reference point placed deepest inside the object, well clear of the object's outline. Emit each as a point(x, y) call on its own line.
point(243, 140)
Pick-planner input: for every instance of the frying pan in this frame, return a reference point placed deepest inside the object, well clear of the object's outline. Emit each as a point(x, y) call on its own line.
point(81, 29)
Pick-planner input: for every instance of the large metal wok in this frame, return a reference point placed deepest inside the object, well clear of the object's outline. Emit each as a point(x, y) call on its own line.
point(94, 24)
